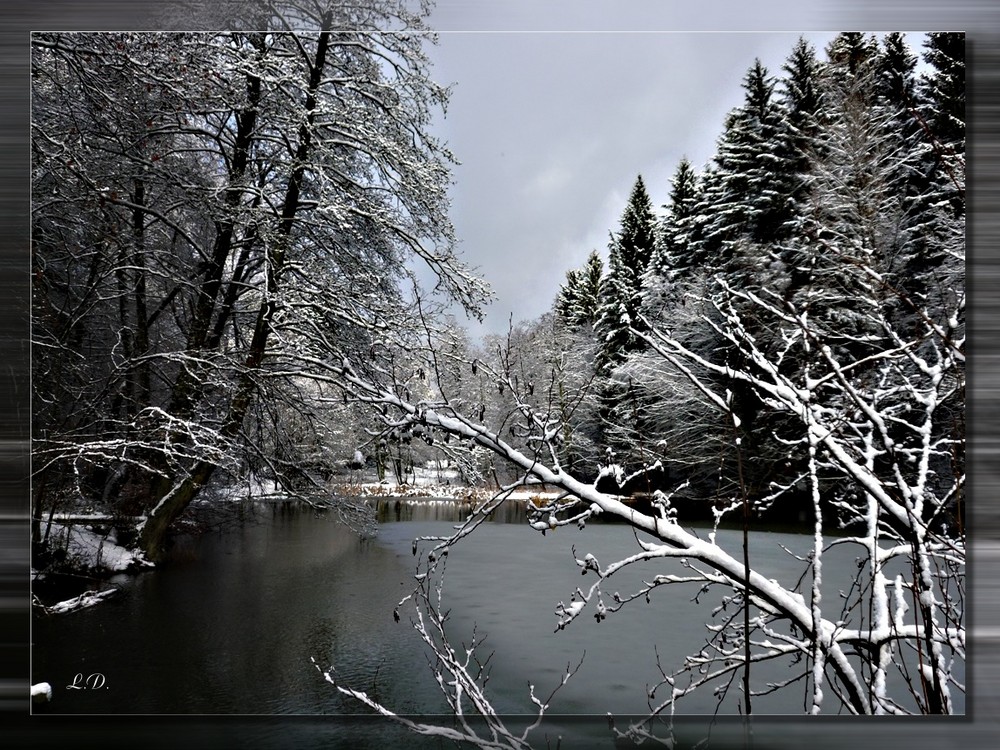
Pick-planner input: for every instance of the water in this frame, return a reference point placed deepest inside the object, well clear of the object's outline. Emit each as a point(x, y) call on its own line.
point(232, 624)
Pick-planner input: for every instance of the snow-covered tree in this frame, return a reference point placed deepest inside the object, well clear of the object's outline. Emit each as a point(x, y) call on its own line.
point(802, 99)
point(747, 197)
point(579, 298)
point(263, 252)
point(896, 80)
point(852, 53)
point(673, 258)
point(566, 299)
point(214, 214)
point(879, 432)
point(944, 88)
point(630, 251)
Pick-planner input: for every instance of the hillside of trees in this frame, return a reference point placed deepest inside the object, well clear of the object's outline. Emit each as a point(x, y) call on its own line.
point(836, 196)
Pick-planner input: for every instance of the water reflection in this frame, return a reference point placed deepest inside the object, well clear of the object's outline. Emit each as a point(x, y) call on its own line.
point(396, 509)
point(231, 625)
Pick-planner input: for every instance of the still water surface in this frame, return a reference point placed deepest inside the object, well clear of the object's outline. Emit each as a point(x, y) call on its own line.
point(232, 624)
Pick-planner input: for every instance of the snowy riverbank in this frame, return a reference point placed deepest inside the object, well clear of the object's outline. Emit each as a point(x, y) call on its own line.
point(88, 544)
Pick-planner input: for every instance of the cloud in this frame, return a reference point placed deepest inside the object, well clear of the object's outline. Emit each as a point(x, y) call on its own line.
point(551, 130)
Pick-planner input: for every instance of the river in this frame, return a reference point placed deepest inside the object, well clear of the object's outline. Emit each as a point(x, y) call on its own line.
point(232, 625)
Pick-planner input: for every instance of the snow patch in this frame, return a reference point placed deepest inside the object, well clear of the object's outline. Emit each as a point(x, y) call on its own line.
point(84, 600)
point(88, 550)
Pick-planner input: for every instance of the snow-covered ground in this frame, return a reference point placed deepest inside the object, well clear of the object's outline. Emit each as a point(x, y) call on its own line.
point(423, 482)
point(91, 551)
point(429, 491)
point(432, 481)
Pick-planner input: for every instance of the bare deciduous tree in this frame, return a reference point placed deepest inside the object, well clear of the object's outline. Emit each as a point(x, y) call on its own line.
point(207, 204)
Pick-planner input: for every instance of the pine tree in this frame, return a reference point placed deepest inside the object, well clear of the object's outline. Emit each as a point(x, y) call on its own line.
point(802, 100)
point(802, 93)
point(944, 89)
point(565, 303)
point(747, 212)
point(851, 53)
point(802, 97)
point(673, 257)
point(675, 266)
point(894, 100)
point(895, 66)
point(894, 95)
point(746, 200)
point(579, 297)
point(858, 203)
point(630, 251)
point(588, 299)
point(943, 92)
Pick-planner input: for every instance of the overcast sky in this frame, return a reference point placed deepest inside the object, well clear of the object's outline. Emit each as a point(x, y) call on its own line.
point(552, 129)
point(557, 107)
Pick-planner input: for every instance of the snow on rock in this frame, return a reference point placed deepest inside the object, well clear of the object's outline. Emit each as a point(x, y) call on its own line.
point(41, 693)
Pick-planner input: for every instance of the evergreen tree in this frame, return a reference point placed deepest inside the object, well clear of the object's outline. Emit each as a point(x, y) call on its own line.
point(895, 69)
point(895, 101)
point(703, 250)
point(579, 298)
point(630, 251)
point(943, 92)
point(802, 96)
point(565, 303)
point(675, 267)
point(747, 199)
point(588, 299)
point(944, 88)
point(802, 101)
point(673, 257)
point(851, 53)
point(858, 206)
point(894, 95)
point(747, 212)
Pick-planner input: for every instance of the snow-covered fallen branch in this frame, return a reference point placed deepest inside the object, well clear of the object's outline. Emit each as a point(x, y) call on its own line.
point(84, 600)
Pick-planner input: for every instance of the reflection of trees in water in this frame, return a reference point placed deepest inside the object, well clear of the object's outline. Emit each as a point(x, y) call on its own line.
point(394, 509)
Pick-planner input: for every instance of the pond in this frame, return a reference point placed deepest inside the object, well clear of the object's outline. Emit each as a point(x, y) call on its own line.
point(232, 624)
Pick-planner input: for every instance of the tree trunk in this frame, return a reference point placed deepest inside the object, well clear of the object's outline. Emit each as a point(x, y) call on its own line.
point(175, 496)
point(174, 502)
